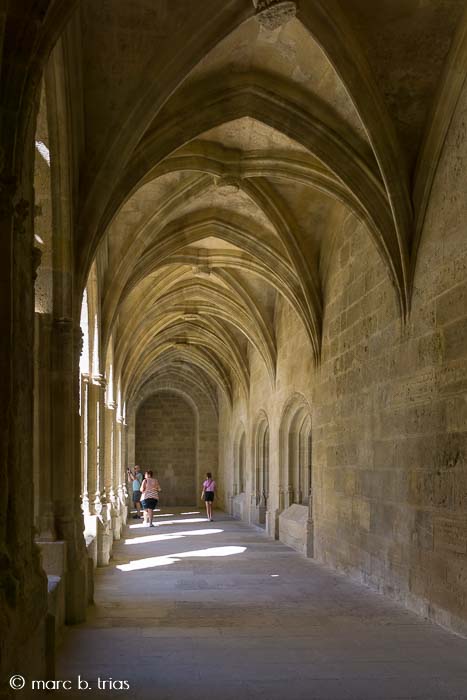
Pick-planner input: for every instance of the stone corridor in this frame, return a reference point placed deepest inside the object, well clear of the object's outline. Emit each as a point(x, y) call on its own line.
point(193, 610)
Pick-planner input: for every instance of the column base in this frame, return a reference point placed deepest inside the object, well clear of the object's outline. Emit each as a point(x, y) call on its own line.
point(99, 536)
point(70, 530)
point(116, 521)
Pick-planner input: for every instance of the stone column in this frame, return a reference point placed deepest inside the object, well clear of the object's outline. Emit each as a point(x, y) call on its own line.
point(45, 518)
point(111, 482)
point(231, 496)
point(23, 606)
point(97, 521)
point(65, 351)
point(124, 461)
point(91, 477)
point(121, 465)
point(310, 527)
point(84, 452)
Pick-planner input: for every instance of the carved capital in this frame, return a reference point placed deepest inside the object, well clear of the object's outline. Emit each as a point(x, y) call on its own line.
point(99, 380)
point(272, 14)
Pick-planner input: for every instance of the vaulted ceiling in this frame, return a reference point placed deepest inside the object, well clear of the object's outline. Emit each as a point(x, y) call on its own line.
point(221, 146)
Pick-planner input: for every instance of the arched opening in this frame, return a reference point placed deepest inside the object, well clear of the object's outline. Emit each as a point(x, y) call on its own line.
point(239, 502)
point(295, 452)
point(166, 436)
point(299, 458)
point(295, 467)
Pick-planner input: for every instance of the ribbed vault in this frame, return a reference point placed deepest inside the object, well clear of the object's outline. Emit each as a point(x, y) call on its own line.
point(229, 188)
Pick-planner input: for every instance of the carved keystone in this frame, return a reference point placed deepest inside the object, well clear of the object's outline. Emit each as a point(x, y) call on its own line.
point(228, 183)
point(201, 270)
point(272, 14)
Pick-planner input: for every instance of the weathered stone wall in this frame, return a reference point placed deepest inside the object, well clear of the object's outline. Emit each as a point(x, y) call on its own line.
point(389, 408)
point(294, 375)
point(390, 412)
point(166, 436)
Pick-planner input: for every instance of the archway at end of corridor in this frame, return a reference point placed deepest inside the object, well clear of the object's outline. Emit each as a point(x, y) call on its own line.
point(166, 441)
point(173, 430)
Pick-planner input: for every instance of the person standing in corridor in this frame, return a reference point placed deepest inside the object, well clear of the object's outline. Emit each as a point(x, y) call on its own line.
point(136, 478)
point(150, 489)
point(207, 494)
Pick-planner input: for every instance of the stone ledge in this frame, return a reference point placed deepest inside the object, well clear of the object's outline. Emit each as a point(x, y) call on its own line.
point(294, 528)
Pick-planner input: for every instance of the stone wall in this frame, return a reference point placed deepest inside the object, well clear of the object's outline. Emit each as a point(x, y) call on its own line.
point(294, 376)
point(390, 415)
point(389, 408)
point(166, 443)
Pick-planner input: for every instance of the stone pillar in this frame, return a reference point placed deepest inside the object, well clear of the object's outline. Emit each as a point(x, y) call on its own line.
point(84, 452)
point(97, 521)
point(92, 478)
point(23, 605)
point(110, 481)
point(310, 527)
point(121, 467)
point(124, 461)
point(45, 517)
point(231, 497)
point(65, 351)
point(254, 502)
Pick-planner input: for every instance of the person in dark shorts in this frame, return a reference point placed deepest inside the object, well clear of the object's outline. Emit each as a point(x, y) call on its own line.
point(207, 494)
point(150, 489)
point(136, 479)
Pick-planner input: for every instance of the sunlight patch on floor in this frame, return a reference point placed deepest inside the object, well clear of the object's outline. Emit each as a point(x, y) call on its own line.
point(170, 522)
point(171, 536)
point(150, 562)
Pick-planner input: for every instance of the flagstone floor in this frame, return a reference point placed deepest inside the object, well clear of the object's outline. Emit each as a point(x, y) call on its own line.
point(197, 610)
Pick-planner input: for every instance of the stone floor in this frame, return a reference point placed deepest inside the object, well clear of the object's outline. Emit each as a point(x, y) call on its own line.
point(195, 610)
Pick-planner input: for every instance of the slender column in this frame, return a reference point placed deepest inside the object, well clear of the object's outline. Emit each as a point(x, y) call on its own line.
point(98, 523)
point(121, 447)
point(95, 443)
point(109, 466)
point(124, 458)
point(45, 521)
point(111, 476)
point(24, 589)
point(93, 425)
point(84, 379)
point(281, 498)
point(66, 348)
